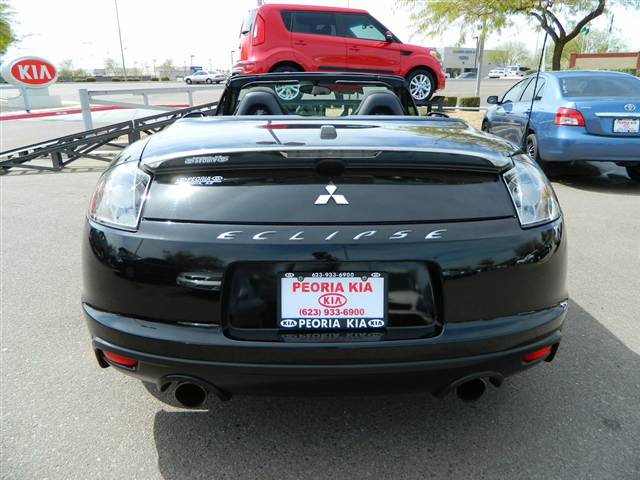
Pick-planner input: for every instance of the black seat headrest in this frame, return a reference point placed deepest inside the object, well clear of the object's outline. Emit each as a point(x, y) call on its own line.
point(380, 103)
point(260, 101)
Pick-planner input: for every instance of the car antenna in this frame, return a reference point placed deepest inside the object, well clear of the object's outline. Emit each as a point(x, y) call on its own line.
point(545, 5)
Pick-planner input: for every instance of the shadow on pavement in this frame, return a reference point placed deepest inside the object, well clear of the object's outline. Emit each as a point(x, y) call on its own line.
point(577, 417)
point(605, 177)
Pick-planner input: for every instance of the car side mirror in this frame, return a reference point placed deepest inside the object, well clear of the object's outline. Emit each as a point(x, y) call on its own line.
point(493, 100)
point(388, 36)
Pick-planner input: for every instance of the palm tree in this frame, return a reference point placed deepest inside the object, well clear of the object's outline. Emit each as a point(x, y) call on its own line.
point(7, 36)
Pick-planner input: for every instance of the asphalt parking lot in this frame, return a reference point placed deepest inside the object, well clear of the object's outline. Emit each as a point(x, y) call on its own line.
point(64, 418)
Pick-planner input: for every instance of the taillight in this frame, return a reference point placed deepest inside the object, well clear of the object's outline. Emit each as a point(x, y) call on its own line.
point(258, 31)
point(569, 117)
point(537, 355)
point(119, 359)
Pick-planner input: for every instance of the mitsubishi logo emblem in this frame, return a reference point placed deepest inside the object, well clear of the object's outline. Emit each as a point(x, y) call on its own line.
point(324, 199)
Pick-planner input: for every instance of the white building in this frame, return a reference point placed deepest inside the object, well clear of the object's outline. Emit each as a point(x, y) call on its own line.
point(456, 60)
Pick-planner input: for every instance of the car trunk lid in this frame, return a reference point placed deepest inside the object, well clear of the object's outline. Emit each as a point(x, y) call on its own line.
point(613, 117)
point(327, 194)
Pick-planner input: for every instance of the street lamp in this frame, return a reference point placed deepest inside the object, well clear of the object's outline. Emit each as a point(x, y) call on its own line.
point(124, 68)
point(154, 68)
point(191, 63)
point(475, 60)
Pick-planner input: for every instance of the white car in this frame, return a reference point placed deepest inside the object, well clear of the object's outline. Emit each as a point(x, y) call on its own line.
point(517, 71)
point(205, 77)
point(499, 72)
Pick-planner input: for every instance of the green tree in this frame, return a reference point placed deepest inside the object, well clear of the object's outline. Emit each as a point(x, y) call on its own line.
point(166, 68)
point(7, 34)
point(111, 67)
point(596, 41)
point(136, 71)
point(65, 69)
point(563, 22)
point(513, 52)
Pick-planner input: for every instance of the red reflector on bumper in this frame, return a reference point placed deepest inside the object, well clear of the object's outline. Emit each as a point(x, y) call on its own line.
point(537, 355)
point(119, 359)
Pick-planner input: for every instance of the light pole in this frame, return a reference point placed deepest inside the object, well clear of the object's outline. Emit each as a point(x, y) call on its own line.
point(480, 56)
point(210, 67)
point(154, 68)
point(191, 63)
point(475, 60)
point(124, 68)
point(232, 52)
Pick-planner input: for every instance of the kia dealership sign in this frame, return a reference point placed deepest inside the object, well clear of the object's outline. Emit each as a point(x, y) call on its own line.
point(31, 72)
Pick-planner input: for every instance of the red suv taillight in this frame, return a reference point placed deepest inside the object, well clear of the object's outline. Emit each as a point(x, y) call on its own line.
point(569, 117)
point(258, 31)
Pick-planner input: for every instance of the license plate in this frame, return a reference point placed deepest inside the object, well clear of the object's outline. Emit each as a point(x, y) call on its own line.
point(626, 125)
point(323, 301)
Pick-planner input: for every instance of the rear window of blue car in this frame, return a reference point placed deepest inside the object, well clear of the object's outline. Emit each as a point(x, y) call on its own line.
point(599, 86)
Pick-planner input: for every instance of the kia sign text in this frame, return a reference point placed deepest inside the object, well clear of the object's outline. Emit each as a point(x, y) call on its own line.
point(32, 72)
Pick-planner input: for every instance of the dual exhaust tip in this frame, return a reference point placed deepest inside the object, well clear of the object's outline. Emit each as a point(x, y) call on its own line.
point(192, 393)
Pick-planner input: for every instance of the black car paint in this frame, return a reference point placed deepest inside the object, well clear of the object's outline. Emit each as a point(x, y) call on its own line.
point(489, 289)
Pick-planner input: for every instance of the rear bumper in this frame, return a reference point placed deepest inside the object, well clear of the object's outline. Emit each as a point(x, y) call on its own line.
point(568, 144)
point(492, 348)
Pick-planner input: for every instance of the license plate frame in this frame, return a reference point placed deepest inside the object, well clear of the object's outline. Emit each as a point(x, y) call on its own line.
point(372, 312)
point(634, 128)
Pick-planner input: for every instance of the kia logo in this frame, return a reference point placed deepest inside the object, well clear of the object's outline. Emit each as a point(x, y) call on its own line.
point(630, 107)
point(332, 300)
point(375, 323)
point(288, 323)
point(33, 72)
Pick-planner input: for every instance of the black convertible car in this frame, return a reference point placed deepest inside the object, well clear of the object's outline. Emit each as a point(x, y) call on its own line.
point(278, 253)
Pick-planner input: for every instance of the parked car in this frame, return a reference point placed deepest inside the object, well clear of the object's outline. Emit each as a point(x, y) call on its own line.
point(284, 38)
point(499, 72)
point(288, 254)
point(205, 77)
point(516, 71)
point(577, 115)
point(467, 76)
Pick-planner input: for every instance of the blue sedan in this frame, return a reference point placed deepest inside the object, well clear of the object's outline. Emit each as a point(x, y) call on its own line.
point(577, 115)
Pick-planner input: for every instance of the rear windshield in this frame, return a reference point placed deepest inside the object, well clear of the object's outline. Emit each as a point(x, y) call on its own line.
point(313, 98)
point(600, 86)
point(247, 24)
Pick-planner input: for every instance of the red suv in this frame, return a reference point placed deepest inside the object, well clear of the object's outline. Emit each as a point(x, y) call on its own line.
point(285, 38)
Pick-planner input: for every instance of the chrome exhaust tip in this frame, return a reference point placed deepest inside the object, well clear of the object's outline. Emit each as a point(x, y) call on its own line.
point(190, 395)
point(472, 390)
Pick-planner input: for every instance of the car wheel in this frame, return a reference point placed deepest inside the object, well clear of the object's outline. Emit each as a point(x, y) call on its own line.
point(287, 93)
point(531, 146)
point(209, 81)
point(634, 172)
point(421, 85)
point(189, 81)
